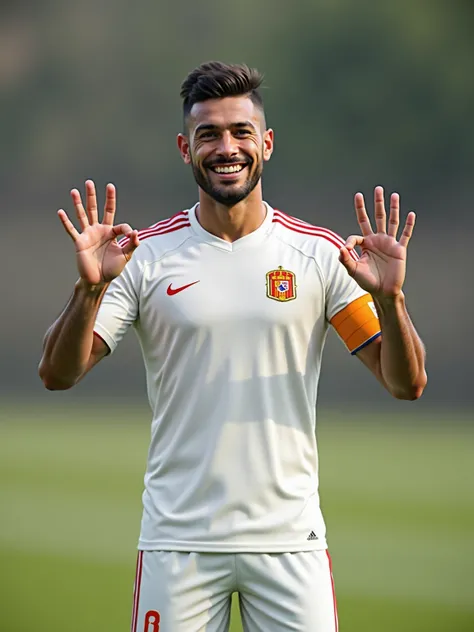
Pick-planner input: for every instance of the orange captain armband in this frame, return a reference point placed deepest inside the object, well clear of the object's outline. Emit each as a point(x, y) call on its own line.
point(357, 324)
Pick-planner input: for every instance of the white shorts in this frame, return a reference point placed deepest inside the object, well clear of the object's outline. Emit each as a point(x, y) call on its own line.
point(191, 592)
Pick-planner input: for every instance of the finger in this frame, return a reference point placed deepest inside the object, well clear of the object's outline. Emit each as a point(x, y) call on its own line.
point(80, 212)
point(353, 241)
point(347, 261)
point(380, 215)
point(91, 202)
point(68, 225)
point(132, 243)
point(362, 217)
point(129, 234)
point(122, 229)
point(394, 218)
point(408, 230)
point(110, 205)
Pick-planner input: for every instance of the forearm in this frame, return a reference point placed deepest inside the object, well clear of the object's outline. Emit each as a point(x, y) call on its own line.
point(68, 342)
point(402, 354)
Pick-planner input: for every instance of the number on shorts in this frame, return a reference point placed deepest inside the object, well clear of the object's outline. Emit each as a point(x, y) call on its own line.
point(152, 621)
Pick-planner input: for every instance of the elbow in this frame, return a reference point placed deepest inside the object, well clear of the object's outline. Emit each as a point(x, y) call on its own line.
point(408, 395)
point(51, 385)
point(51, 382)
point(413, 392)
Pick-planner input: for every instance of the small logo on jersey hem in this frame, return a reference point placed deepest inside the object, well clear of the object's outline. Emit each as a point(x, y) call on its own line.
point(281, 285)
point(172, 291)
point(312, 536)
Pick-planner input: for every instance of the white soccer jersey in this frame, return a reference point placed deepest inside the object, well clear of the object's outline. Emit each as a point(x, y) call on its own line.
point(232, 336)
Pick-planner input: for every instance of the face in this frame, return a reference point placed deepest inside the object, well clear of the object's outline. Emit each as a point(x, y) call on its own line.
point(226, 146)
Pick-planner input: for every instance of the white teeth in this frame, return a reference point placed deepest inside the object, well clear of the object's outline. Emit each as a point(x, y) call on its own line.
point(232, 169)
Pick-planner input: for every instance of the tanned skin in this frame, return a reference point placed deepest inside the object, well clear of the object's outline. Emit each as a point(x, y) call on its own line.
point(224, 133)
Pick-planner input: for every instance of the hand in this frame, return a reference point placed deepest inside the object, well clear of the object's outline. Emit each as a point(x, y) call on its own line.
point(100, 258)
point(381, 267)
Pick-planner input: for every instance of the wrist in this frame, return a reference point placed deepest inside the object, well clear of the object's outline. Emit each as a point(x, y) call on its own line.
point(389, 303)
point(91, 289)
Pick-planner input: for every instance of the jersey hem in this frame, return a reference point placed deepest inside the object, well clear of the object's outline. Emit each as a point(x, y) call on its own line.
point(199, 547)
point(102, 332)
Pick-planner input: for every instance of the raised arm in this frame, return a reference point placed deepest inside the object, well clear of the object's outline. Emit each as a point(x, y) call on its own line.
point(70, 348)
point(397, 358)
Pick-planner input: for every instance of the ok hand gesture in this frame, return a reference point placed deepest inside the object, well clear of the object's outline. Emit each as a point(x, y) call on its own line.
point(381, 267)
point(100, 258)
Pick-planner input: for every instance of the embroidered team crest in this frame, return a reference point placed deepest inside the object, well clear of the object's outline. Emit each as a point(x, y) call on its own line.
point(281, 285)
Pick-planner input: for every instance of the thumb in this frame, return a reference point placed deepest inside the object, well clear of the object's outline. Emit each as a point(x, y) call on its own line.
point(347, 261)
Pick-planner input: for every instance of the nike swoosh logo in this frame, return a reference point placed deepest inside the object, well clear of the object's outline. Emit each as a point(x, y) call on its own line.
point(172, 291)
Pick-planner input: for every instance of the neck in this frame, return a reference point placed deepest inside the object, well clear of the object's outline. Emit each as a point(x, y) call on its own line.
point(231, 222)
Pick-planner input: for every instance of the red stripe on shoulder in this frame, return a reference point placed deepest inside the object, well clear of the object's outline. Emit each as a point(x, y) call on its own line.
point(299, 222)
point(164, 223)
point(303, 231)
point(169, 220)
point(166, 229)
point(161, 230)
point(299, 226)
point(180, 220)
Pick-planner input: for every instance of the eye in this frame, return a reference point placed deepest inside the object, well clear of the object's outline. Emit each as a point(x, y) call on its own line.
point(242, 132)
point(208, 135)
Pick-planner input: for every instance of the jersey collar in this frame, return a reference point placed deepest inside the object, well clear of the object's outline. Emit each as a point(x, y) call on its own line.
point(251, 239)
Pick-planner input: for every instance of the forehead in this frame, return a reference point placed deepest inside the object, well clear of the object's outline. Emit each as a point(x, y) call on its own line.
point(225, 112)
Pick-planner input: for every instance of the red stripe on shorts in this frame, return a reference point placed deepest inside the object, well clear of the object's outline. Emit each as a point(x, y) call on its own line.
point(336, 620)
point(136, 590)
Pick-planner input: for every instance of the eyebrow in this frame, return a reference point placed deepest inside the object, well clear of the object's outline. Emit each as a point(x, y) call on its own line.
point(210, 126)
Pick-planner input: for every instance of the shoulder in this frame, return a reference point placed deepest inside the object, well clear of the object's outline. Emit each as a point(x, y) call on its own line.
point(164, 236)
point(310, 239)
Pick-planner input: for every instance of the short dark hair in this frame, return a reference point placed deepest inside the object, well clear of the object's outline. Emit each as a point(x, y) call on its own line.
point(216, 80)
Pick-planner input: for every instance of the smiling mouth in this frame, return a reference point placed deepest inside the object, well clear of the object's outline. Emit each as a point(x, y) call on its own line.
point(228, 170)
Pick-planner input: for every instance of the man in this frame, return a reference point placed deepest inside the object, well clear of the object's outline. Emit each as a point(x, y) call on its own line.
point(231, 301)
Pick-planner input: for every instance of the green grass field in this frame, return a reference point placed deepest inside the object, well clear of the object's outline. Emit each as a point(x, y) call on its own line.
point(397, 498)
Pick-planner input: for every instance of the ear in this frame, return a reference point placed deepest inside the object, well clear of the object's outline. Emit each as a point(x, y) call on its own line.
point(183, 146)
point(267, 144)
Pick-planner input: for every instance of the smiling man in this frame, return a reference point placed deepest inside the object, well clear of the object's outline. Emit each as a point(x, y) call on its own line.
point(226, 142)
point(227, 171)
point(232, 300)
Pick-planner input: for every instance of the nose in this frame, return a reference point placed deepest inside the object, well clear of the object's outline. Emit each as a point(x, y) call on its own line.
point(227, 145)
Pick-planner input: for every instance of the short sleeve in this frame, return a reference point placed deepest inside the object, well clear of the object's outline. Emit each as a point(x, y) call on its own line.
point(350, 309)
point(119, 307)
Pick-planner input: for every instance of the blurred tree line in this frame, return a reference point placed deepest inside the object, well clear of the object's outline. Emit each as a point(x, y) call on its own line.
point(359, 93)
point(97, 83)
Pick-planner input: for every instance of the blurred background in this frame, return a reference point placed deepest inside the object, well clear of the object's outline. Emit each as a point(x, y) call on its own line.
point(359, 93)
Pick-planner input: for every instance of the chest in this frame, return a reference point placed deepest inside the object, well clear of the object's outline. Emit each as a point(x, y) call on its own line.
point(205, 287)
